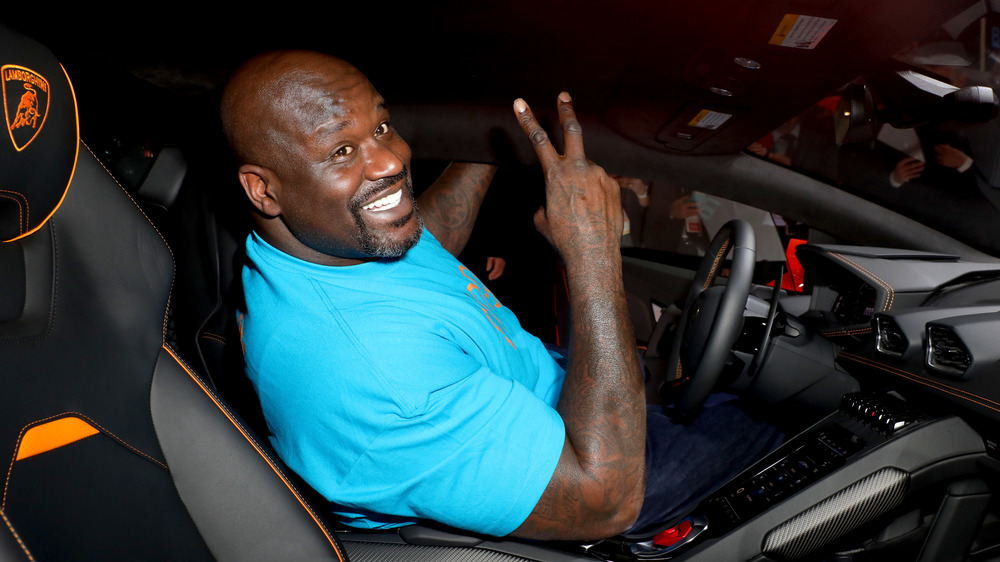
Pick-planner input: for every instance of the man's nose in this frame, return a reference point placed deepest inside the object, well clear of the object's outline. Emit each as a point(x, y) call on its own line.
point(384, 161)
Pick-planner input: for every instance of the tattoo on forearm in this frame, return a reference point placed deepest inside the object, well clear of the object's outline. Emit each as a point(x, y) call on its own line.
point(601, 406)
point(451, 205)
point(450, 210)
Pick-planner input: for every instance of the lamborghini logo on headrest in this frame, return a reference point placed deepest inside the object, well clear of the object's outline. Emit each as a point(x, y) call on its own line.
point(25, 103)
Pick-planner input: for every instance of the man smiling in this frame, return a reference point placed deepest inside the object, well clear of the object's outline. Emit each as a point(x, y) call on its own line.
point(332, 211)
point(392, 380)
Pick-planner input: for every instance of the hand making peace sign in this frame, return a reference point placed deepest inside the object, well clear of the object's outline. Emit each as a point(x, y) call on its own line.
point(582, 211)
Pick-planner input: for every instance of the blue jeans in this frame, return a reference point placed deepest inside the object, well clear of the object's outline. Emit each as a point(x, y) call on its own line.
point(685, 463)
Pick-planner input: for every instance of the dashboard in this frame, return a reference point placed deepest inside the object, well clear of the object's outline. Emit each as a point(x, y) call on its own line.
point(925, 321)
point(855, 303)
point(907, 342)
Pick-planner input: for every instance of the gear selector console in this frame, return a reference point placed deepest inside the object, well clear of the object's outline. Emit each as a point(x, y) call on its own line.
point(865, 420)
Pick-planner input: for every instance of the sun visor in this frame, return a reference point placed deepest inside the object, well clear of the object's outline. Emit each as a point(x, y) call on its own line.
point(694, 124)
point(41, 135)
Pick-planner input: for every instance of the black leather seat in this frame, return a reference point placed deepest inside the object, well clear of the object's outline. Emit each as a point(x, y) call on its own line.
point(117, 449)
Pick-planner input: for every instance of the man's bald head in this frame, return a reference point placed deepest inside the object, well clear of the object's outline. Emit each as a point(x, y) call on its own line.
point(319, 159)
point(275, 94)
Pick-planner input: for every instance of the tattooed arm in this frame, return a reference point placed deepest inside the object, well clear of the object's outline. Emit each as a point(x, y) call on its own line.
point(450, 206)
point(597, 488)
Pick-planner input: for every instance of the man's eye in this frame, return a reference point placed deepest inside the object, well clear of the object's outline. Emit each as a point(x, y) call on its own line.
point(382, 129)
point(343, 151)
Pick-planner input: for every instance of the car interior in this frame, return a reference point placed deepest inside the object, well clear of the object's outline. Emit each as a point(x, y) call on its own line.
point(840, 272)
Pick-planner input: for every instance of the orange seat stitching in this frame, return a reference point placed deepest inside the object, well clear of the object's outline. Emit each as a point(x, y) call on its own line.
point(215, 337)
point(23, 213)
point(24, 429)
point(52, 435)
point(232, 419)
point(24, 547)
point(173, 265)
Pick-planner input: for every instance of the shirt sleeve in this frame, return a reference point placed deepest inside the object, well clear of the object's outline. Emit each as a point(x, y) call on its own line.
point(965, 164)
point(478, 457)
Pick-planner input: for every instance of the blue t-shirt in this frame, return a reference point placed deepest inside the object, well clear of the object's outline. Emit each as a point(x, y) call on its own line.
point(402, 389)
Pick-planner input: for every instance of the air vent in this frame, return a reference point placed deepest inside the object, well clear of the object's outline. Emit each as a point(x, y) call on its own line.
point(889, 338)
point(945, 351)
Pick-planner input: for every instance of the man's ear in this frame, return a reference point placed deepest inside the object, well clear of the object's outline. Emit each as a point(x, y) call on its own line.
point(260, 185)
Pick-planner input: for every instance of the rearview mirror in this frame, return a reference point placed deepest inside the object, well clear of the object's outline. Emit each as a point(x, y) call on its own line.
point(854, 120)
point(907, 99)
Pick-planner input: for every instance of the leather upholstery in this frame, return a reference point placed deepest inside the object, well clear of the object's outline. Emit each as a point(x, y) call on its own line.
point(155, 467)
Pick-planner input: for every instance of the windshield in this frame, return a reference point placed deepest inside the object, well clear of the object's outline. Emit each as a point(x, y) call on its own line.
point(930, 155)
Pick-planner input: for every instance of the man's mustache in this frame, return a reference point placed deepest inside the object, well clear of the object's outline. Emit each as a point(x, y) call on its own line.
point(378, 186)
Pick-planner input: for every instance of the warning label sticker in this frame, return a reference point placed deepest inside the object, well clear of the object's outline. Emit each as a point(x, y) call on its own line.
point(707, 119)
point(801, 32)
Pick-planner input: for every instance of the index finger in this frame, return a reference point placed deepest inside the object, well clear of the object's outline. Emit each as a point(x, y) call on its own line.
point(539, 138)
point(572, 131)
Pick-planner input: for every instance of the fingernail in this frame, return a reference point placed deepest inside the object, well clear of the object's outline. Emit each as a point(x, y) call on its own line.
point(520, 106)
point(564, 97)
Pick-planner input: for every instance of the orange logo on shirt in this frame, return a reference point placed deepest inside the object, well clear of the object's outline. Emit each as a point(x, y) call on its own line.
point(486, 301)
point(25, 103)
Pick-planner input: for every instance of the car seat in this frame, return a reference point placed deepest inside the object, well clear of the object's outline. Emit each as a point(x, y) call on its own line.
point(117, 449)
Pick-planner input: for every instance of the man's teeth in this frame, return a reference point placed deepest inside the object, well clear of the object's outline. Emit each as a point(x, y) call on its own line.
point(385, 203)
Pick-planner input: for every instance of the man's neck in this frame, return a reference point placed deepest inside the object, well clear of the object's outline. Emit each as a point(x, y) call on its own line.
point(283, 240)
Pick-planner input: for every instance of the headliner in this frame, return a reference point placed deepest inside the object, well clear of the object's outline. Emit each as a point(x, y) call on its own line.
point(633, 64)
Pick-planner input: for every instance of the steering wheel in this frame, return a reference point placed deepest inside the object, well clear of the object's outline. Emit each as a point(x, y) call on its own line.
point(713, 316)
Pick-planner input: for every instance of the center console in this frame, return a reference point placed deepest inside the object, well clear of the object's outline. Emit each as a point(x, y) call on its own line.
point(850, 468)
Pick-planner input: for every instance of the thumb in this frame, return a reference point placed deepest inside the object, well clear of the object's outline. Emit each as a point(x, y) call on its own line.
point(541, 221)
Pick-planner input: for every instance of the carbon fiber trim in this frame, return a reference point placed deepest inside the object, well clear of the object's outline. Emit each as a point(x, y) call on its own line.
point(392, 552)
point(837, 515)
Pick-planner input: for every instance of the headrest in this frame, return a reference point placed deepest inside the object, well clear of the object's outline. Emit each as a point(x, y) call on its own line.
point(41, 135)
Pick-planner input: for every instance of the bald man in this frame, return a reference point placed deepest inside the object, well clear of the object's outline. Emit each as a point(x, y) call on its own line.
point(392, 380)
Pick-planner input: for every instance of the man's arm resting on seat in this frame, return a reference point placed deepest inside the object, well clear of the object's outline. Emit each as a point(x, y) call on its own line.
point(597, 488)
point(451, 204)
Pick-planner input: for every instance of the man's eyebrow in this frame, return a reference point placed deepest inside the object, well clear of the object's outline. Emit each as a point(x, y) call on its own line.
point(330, 128)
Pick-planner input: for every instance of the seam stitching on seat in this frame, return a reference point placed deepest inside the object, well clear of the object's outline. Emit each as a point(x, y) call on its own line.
point(211, 336)
point(232, 419)
point(173, 265)
point(50, 322)
point(24, 547)
point(23, 213)
point(103, 430)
